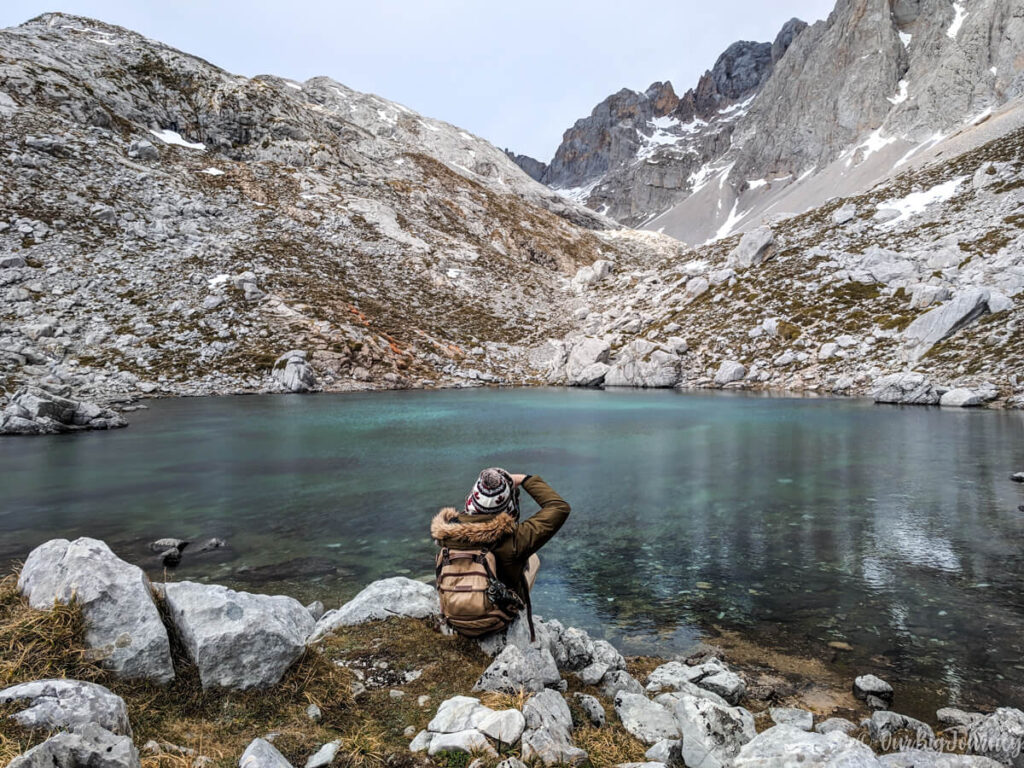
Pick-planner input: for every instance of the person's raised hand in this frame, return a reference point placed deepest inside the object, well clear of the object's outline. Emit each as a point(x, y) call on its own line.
point(517, 479)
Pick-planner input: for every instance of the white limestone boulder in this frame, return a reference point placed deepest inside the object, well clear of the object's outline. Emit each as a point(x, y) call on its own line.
point(121, 620)
point(384, 599)
point(61, 704)
point(238, 640)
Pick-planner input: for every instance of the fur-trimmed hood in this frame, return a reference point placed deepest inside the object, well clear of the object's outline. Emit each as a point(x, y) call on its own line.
point(450, 525)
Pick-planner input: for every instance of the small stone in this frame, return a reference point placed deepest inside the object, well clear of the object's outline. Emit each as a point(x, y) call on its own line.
point(396, 694)
point(323, 756)
point(839, 645)
point(313, 713)
point(798, 718)
point(840, 724)
point(592, 708)
point(870, 685)
point(506, 726)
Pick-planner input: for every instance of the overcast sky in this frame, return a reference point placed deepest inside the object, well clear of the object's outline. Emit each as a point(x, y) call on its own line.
point(516, 73)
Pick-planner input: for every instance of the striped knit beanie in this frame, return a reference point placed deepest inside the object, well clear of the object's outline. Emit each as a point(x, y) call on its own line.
point(493, 492)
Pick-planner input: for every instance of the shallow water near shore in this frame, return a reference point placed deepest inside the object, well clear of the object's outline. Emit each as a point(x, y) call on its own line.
point(797, 522)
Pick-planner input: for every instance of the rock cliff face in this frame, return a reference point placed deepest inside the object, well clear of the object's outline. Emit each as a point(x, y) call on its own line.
point(637, 153)
point(828, 109)
point(168, 227)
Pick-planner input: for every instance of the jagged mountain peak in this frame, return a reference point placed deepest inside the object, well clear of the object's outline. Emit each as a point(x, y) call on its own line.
point(875, 84)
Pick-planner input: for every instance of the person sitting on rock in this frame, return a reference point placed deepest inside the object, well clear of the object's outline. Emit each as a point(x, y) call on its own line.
point(488, 560)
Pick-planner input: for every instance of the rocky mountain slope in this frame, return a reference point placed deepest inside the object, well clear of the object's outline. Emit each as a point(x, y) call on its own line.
point(169, 227)
point(849, 102)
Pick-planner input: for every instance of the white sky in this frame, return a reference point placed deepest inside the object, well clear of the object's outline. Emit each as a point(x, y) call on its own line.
point(517, 74)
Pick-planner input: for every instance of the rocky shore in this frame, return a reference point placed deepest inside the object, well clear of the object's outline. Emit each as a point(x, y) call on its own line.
point(184, 673)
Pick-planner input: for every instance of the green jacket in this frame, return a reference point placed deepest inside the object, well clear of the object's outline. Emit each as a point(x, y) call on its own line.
point(511, 542)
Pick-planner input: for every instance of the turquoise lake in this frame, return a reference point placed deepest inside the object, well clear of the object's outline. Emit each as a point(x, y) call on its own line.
point(796, 521)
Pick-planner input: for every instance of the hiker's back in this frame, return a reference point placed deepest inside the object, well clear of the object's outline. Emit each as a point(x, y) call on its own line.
point(488, 561)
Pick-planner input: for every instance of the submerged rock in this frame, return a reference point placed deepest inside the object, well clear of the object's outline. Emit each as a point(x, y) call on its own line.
point(238, 640)
point(870, 685)
point(121, 619)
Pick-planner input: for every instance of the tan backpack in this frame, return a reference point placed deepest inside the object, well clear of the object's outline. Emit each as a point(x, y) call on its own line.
point(474, 601)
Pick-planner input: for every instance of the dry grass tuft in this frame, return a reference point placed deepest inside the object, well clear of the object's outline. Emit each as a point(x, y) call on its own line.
point(40, 644)
point(608, 745)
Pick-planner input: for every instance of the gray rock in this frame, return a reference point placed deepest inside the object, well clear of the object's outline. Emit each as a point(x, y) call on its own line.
point(754, 248)
point(669, 699)
point(88, 746)
point(505, 726)
point(673, 675)
point(884, 724)
point(262, 754)
point(999, 736)
point(619, 680)
point(927, 758)
point(541, 745)
point(11, 261)
point(421, 742)
point(397, 596)
point(840, 724)
point(798, 718)
point(314, 713)
point(642, 363)
point(121, 619)
point(62, 704)
point(548, 710)
point(712, 735)
point(957, 717)
point(665, 751)
point(592, 708)
point(324, 756)
point(511, 762)
point(515, 670)
point(904, 389)
point(316, 610)
point(141, 149)
point(36, 411)
point(580, 369)
point(461, 741)
point(939, 323)
point(961, 397)
point(728, 372)
point(726, 684)
point(459, 713)
point(294, 372)
point(870, 685)
point(646, 720)
point(548, 737)
point(238, 640)
point(844, 214)
point(785, 745)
